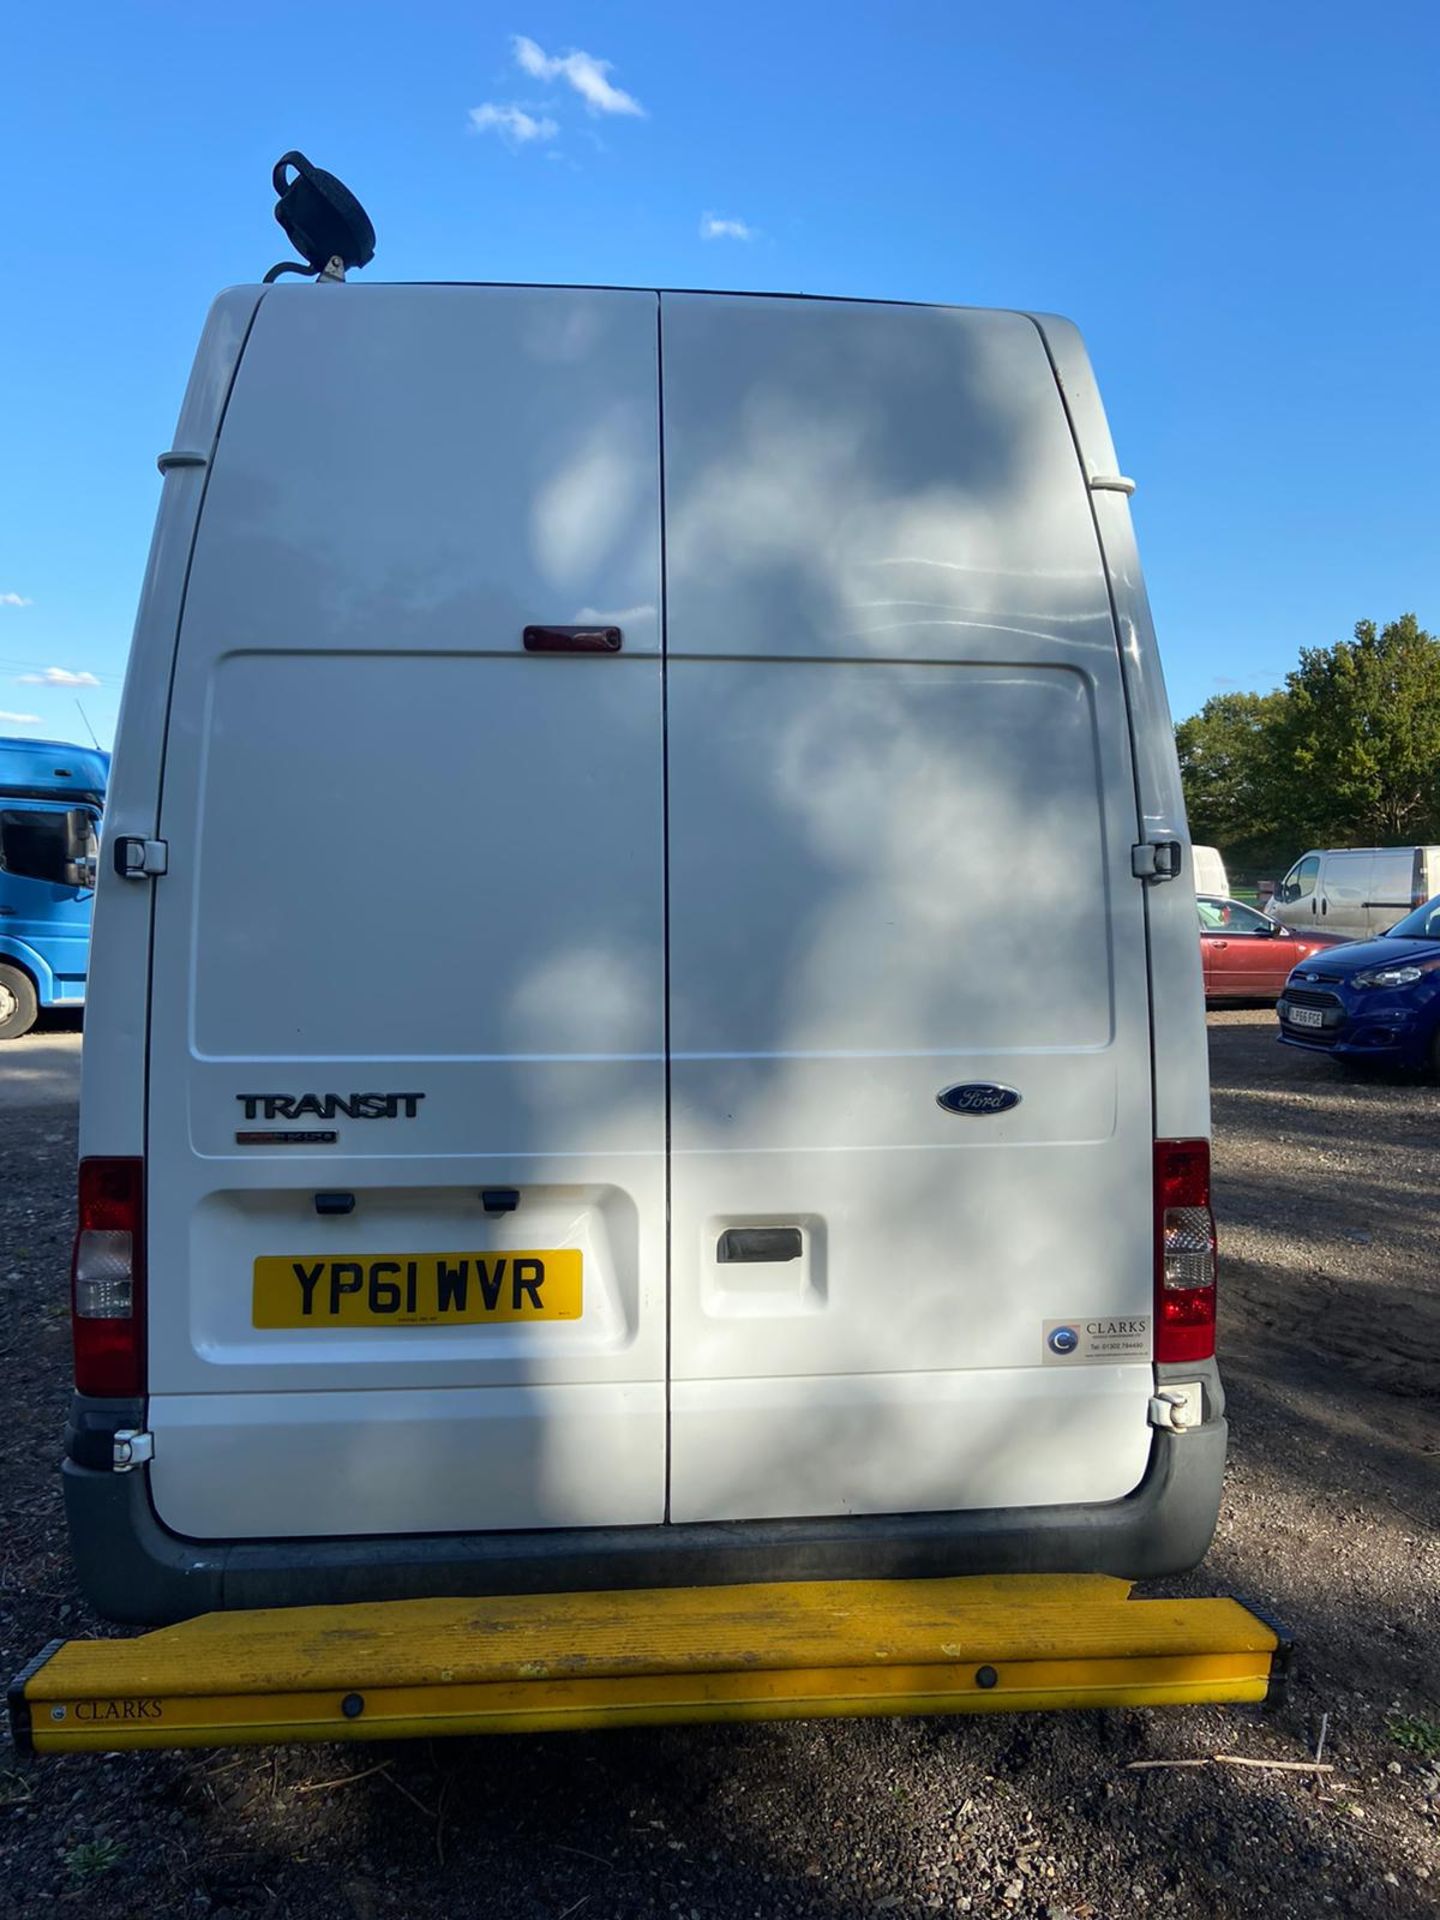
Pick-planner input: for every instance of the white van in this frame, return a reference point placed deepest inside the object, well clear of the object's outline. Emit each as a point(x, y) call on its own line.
point(568, 1099)
point(1207, 869)
point(1355, 890)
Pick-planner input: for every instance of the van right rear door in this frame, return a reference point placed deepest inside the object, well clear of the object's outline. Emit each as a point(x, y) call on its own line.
point(912, 1246)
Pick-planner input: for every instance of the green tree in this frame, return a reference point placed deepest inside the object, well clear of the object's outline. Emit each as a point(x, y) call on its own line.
point(1232, 765)
point(1359, 738)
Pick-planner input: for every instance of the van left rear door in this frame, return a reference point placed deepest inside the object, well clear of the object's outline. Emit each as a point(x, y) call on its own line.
point(407, 1114)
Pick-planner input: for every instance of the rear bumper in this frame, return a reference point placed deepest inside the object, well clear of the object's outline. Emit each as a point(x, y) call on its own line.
point(134, 1570)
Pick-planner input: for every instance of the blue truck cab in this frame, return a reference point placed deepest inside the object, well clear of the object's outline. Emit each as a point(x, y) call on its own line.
point(51, 798)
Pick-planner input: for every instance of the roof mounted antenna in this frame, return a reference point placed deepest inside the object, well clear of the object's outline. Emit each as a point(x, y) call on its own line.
point(322, 220)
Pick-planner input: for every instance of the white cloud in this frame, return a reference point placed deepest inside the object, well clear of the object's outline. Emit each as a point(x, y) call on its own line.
point(515, 126)
point(582, 71)
point(57, 677)
point(15, 600)
point(714, 227)
point(20, 719)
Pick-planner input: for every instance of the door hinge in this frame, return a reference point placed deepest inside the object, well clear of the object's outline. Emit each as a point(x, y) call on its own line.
point(1157, 860)
point(131, 1449)
point(140, 859)
point(1178, 1409)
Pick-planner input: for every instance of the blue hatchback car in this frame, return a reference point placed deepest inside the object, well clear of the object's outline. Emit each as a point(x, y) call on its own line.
point(1373, 1000)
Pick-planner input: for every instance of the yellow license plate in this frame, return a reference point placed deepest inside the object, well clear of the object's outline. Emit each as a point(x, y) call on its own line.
point(418, 1289)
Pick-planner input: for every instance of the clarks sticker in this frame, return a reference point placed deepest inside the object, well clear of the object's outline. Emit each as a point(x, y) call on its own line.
point(88, 1710)
point(1102, 1340)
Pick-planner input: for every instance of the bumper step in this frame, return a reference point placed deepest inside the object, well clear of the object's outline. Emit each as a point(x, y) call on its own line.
point(534, 1663)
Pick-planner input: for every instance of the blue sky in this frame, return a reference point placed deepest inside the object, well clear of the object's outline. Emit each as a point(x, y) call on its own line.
point(1236, 202)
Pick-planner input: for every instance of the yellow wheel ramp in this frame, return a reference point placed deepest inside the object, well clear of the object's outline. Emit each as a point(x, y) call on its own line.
point(533, 1663)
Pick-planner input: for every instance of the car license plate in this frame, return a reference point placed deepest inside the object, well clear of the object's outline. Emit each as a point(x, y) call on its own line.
point(417, 1289)
point(1305, 1016)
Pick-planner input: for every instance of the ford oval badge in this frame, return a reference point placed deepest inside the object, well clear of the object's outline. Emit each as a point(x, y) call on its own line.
point(978, 1097)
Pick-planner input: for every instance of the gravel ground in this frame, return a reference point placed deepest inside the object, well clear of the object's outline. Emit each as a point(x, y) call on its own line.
point(1329, 1220)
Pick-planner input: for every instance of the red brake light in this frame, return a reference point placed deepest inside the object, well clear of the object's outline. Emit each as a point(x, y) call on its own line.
point(107, 1280)
point(1184, 1252)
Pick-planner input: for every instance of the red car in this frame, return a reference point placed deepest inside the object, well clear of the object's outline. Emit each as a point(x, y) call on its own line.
point(1246, 956)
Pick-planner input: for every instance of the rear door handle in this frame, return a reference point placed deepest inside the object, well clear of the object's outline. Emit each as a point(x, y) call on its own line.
point(573, 639)
point(759, 1243)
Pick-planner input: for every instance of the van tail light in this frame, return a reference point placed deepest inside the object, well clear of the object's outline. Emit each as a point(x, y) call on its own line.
point(1184, 1252)
point(107, 1285)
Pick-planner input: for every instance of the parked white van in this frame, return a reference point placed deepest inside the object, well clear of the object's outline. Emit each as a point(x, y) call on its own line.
point(1208, 872)
point(1355, 890)
point(568, 1099)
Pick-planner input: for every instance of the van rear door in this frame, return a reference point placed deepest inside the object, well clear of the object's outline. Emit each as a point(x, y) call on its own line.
point(911, 1117)
point(408, 955)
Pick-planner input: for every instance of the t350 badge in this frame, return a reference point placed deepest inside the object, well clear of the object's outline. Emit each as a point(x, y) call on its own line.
point(978, 1098)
